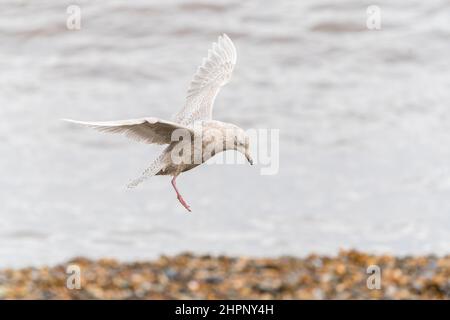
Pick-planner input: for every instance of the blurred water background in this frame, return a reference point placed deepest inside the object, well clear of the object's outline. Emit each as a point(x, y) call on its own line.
point(363, 116)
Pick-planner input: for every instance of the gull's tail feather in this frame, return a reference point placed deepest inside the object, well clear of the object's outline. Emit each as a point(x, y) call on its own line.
point(154, 168)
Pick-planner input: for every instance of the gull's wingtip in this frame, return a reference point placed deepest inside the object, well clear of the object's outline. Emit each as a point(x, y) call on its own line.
point(71, 121)
point(225, 37)
point(76, 122)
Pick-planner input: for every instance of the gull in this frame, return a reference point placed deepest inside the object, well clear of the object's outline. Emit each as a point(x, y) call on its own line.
point(193, 123)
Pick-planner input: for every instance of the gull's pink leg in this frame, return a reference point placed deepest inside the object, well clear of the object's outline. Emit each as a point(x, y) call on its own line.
point(179, 197)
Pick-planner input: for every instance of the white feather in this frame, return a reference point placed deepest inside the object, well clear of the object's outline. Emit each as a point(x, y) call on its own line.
point(214, 72)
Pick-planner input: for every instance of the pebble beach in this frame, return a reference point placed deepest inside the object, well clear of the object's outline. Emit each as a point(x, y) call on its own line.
point(189, 276)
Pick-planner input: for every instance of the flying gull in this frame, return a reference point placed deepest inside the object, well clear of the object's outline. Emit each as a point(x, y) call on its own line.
point(193, 123)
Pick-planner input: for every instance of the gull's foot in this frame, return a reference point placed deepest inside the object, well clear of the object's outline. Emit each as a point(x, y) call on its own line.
point(183, 203)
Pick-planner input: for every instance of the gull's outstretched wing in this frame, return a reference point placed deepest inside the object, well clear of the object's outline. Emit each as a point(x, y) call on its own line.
point(147, 130)
point(214, 72)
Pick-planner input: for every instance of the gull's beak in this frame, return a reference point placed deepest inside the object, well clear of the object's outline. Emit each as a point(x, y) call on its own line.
point(249, 159)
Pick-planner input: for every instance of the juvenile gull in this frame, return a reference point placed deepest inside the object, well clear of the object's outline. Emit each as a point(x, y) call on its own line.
point(193, 123)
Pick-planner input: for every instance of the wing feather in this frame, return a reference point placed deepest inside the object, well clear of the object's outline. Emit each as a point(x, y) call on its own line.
point(147, 130)
point(214, 72)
